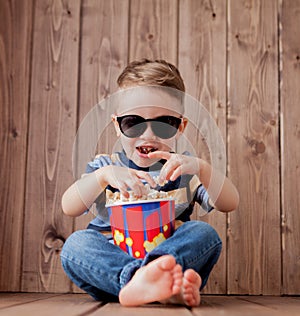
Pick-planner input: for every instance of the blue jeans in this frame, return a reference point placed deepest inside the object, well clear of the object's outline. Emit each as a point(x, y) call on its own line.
point(101, 269)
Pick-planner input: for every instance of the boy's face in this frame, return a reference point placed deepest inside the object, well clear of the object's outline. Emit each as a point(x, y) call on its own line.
point(151, 135)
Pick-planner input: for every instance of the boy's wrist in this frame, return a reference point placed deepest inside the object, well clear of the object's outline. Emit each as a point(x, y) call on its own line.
point(101, 176)
point(205, 172)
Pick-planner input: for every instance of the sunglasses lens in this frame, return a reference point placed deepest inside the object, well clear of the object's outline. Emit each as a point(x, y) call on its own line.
point(166, 126)
point(132, 126)
point(163, 130)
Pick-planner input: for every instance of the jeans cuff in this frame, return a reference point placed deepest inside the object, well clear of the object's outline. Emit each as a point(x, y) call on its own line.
point(154, 254)
point(128, 271)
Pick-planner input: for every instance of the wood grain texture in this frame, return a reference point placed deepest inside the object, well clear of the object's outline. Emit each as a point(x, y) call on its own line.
point(202, 62)
point(247, 306)
point(58, 58)
point(153, 30)
point(52, 129)
point(71, 305)
point(104, 50)
point(290, 146)
point(146, 310)
point(15, 48)
point(67, 305)
point(15, 299)
point(254, 254)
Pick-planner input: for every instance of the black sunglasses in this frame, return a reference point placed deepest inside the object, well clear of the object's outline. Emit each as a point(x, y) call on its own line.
point(163, 127)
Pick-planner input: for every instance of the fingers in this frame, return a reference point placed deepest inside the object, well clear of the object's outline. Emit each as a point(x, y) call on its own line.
point(144, 175)
point(176, 165)
point(124, 179)
point(172, 169)
point(134, 183)
point(160, 155)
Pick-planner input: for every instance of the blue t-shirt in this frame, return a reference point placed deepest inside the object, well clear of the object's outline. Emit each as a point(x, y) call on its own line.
point(187, 189)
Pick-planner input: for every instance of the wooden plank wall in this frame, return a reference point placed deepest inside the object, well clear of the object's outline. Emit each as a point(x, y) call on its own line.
point(253, 129)
point(290, 145)
point(240, 59)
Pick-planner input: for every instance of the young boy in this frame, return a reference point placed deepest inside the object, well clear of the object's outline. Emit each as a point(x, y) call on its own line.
point(176, 270)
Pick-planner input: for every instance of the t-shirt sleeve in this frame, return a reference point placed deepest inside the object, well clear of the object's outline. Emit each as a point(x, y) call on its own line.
point(99, 162)
point(202, 197)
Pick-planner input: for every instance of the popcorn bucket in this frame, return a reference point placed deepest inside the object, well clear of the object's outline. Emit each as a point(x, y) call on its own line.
point(140, 226)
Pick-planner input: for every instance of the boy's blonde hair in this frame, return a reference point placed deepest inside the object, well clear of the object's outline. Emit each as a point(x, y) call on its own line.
point(151, 72)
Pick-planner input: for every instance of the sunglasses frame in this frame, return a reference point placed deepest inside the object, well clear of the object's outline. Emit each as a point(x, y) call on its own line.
point(159, 119)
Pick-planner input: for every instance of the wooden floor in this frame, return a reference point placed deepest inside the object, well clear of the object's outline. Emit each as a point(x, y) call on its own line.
point(32, 304)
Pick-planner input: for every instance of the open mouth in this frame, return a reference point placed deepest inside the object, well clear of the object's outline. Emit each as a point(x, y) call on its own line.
point(146, 149)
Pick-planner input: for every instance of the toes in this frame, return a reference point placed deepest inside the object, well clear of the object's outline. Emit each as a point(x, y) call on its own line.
point(166, 262)
point(177, 273)
point(192, 277)
point(177, 277)
point(176, 289)
point(190, 288)
point(189, 299)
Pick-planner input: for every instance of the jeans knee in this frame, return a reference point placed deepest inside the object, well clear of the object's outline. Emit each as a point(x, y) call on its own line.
point(203, 231)
point(71, 245)
point(79, 242)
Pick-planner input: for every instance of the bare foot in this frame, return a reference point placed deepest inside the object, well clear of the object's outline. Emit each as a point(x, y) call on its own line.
point(158, 280)
point(190, 290)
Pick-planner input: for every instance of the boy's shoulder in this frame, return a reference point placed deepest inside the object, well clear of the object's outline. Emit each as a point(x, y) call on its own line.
point(102, 157)
point(111, 158)
point(102, 160)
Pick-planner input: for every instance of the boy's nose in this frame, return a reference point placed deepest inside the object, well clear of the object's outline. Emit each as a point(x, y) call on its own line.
point(148, 134)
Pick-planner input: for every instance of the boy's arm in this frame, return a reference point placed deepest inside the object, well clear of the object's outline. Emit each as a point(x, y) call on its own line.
point(219, 188)
point(227, 198)
point(82, 194)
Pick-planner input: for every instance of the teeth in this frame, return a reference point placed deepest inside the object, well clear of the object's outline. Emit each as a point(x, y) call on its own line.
point(146, 150)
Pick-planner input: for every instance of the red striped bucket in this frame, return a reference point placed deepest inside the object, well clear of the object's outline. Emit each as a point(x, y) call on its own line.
point(140, 226)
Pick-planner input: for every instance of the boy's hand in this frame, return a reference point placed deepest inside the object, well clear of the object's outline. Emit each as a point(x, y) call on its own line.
point(176, 165)
point(122, 178)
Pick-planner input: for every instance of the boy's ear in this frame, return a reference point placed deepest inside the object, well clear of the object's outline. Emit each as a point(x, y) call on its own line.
point(182, 126)
point(116, 125)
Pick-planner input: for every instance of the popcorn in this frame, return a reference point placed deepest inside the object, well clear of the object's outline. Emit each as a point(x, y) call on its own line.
point(160, 183)
point(151, 194)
